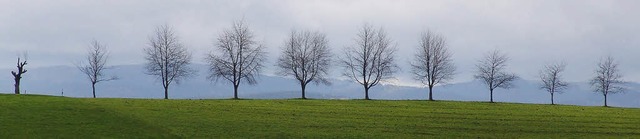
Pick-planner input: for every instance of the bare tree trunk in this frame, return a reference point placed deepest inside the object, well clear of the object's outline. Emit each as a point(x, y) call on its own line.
point(17, 86)
point(552, 99)
point(235, 91)
point(605, 100)
point(491, 93)
point(430, 93)
point(366, 93)
point(303, 86)
point(166, 92)
point(93, 88)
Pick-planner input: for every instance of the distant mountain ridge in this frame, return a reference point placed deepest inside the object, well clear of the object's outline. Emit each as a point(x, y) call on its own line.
point(133, 83)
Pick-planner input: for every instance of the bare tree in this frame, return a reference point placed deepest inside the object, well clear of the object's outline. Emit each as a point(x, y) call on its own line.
point(167, 58)
point(608, 78)
point(433, 64)
point(305, 56)
point(239, 57)
point(17, 75)
point(491, 71)
point(371, 60)
point(552, 80)
point(96, 65)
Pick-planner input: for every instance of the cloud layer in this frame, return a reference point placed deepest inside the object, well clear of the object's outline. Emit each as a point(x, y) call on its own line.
point(531, 32)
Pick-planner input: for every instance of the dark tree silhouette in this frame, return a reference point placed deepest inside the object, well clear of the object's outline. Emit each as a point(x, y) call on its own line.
point(96, 59)
point(17, 75)
point(608, 78)
point(306, 57)
point(371, 60)
point(238, 57)
point(491, 71)
point(433, 64)
point(167, 58)
point(552, 80)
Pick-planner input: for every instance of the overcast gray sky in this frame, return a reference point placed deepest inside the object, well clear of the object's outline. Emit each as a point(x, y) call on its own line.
point(531, 32)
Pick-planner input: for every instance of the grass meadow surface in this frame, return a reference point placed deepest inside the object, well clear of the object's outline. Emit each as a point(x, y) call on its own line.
point(33, 116)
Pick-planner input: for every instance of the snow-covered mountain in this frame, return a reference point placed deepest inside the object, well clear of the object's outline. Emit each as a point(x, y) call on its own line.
point(133, 83)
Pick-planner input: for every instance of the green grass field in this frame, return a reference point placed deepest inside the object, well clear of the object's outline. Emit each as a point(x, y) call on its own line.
point(30, 116)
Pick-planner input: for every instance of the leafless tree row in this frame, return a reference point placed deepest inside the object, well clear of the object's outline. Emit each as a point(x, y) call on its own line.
point(306, 56)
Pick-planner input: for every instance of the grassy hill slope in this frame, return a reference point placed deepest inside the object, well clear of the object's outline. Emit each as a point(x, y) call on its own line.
point(29, 116)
